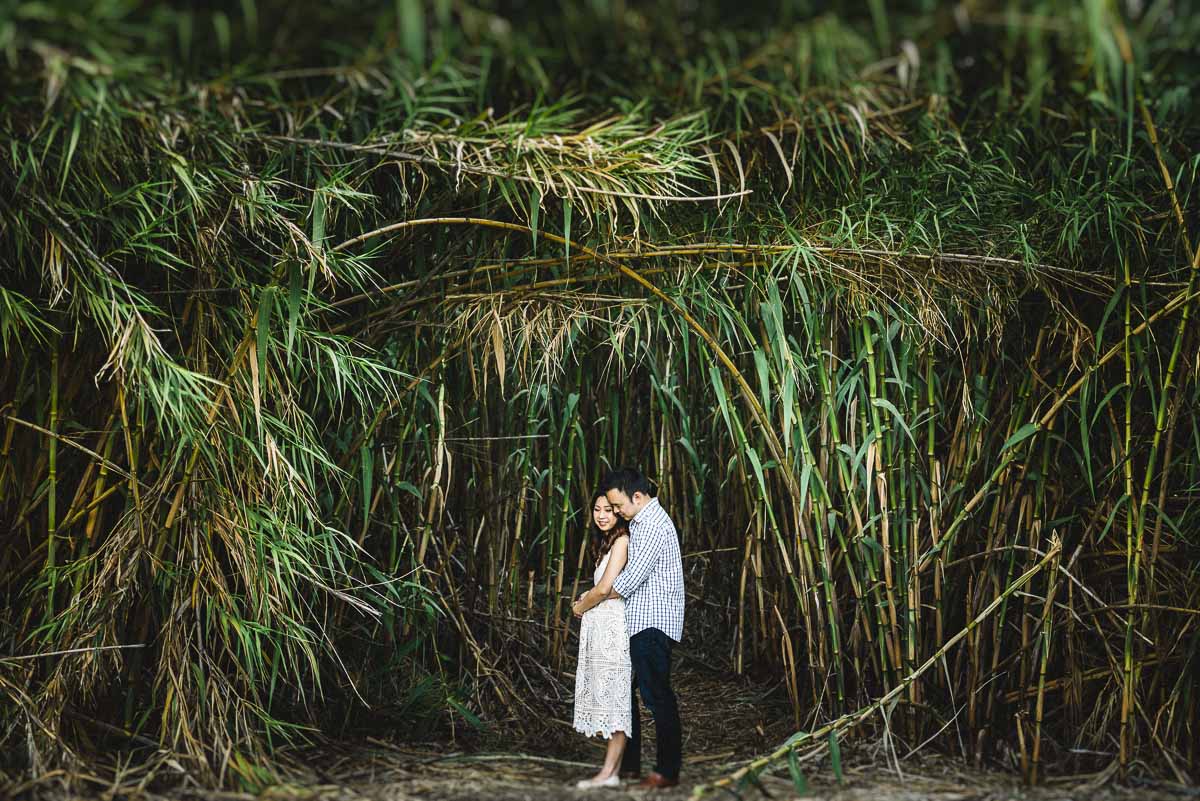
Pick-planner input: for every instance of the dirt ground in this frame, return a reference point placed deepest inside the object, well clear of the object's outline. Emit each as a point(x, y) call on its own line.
point(388, 772)
point(727, 722)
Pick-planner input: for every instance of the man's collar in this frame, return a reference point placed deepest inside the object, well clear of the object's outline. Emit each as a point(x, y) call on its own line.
point(641, 515)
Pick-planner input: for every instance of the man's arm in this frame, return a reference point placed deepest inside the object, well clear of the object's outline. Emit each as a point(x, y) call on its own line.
point(603, 591)
point(649, 550)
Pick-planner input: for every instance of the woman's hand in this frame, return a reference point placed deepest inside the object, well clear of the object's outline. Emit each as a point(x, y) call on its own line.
point(580, 606)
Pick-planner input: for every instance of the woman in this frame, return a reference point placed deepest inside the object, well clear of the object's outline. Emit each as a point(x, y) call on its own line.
point(603, 676)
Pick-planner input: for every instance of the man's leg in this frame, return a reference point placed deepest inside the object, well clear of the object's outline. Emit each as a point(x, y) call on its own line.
point(631, 761)
point(650, 651)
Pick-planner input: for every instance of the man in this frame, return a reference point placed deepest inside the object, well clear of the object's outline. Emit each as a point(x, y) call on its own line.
point(652, 586)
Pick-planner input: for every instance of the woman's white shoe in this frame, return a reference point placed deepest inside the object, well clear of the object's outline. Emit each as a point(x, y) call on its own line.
point(592, 784)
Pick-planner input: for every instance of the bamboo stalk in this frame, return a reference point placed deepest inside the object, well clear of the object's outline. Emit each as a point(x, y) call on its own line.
point(854, 718)
point(882, 458)
point(1047, 624)
point(52, 485)
point(1174, 304)
point(1131, 577)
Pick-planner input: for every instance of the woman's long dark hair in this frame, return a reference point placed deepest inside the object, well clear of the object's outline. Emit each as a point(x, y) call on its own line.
point(602, 541)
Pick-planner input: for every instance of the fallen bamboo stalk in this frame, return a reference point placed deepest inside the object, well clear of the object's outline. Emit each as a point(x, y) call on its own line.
point(854, 718)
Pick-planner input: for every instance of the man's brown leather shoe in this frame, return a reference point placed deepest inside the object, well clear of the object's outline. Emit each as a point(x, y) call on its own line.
point(657, 781)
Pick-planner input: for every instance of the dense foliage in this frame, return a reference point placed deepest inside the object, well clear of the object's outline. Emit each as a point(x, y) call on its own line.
point(319, 322)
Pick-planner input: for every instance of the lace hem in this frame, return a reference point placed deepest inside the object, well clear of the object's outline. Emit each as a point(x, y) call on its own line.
point(605, 728)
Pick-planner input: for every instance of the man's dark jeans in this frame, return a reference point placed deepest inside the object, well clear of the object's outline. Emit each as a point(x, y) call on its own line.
point(650, 652)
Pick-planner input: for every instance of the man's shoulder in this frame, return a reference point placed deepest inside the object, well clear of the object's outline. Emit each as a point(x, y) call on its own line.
point(666, 527)
point(662, 518)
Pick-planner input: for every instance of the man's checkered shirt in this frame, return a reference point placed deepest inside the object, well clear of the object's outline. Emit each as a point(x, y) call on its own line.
point(652, 581)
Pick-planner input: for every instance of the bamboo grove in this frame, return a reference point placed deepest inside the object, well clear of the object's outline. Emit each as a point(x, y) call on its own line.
point(320, 325)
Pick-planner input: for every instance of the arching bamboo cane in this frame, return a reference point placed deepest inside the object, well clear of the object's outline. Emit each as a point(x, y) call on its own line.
point(747, 393)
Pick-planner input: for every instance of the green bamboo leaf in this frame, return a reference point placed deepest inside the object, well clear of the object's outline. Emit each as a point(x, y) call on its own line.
point(266, 305)
point(535, 212)
point(66, 165)
point(1112, 516)
point(835, 756)
point(180, 168)
point(318, 218)
point(411, 16)
point(764, 380)
point(1023, 433)
point(799, 782)
point(884, 403)
point(367, 459)
point(1109, 308)
point(317, 236)
point(1160, 512)
point(806, 472)
point(718, 385)
point(1108, 396)
point(758, 469)
point(508, 192)
point(293, 304)
point(691, 451)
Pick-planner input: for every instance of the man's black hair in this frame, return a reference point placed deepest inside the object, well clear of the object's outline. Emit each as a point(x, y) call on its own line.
point(628, 481)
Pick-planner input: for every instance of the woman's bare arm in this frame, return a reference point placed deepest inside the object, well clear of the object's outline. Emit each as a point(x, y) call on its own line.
point(618, 555)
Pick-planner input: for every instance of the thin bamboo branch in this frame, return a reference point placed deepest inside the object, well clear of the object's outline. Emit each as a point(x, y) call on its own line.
point(68, 441)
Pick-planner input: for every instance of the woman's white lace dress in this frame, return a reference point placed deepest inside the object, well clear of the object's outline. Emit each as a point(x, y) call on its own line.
point(603, 677)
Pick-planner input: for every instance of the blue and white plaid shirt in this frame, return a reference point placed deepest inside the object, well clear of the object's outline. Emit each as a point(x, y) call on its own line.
point(652, 581)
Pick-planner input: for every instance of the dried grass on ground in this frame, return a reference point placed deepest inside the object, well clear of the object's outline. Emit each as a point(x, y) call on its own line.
point(728, 720)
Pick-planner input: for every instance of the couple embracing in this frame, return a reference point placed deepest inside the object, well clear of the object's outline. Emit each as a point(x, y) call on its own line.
point(631, 620)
